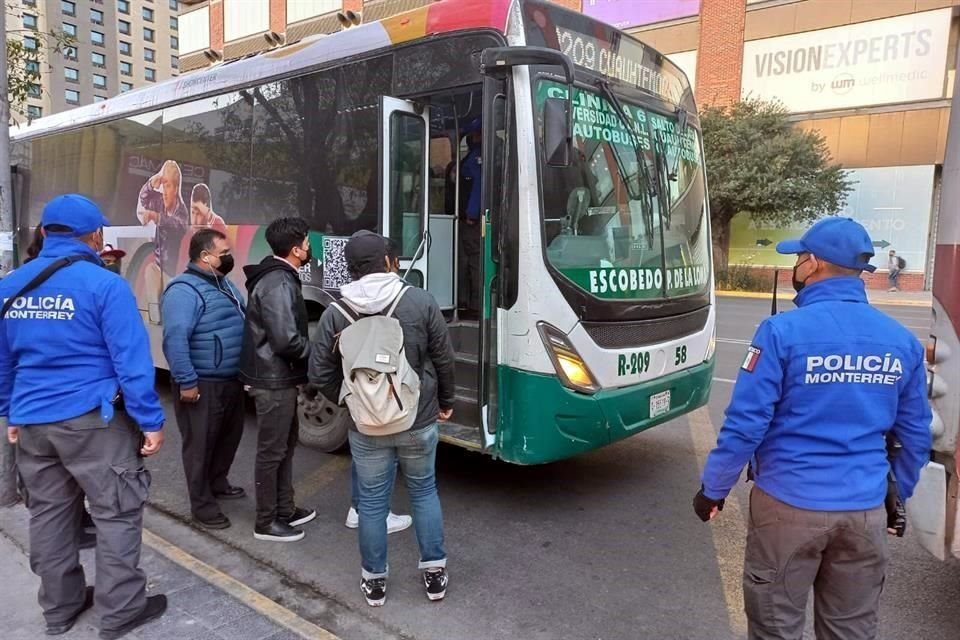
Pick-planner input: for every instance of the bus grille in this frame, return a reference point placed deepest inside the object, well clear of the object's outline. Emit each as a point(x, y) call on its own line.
point(620, 335)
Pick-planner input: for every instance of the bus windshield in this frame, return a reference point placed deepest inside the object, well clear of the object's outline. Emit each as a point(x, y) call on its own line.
point(627, 218)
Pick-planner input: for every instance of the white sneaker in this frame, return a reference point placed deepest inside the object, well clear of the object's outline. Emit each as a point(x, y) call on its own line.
point(395, 523)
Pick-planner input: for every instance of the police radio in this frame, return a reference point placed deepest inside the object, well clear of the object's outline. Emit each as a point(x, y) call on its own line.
point(773, 302)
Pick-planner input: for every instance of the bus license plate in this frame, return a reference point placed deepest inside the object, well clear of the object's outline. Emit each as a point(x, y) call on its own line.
point(660, 404)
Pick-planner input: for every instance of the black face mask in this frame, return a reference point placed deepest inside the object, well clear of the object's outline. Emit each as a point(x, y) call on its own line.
point(309, 257)
point(798, 285)
point(115, 267)
point(226, 264)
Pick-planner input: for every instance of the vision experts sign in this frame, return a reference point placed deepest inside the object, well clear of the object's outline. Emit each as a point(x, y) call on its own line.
point(900, 59)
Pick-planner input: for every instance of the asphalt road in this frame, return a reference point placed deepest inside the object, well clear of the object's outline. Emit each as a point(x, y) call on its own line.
point(604, 546)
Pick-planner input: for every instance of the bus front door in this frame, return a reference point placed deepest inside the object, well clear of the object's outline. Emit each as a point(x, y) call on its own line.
point(404, 162)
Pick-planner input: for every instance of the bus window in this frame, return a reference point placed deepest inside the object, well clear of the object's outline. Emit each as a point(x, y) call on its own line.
point(407, 155)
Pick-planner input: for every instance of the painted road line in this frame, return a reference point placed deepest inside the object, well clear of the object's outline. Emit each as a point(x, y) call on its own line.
point(311, 484)
point(725, 380)
point(728, 529)
point(254, 599)
point(733, 341)
point(784, 296)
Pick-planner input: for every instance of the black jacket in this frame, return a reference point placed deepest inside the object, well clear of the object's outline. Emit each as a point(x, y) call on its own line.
point(426, 342)
point(275, 343)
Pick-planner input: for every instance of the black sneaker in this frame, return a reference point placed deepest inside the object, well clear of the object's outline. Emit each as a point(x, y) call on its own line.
point(435, 580)
point(60, 629)
point(278, 532)
point(374, 590)
point(299, 517)
point(156, 606)
point(217, 522)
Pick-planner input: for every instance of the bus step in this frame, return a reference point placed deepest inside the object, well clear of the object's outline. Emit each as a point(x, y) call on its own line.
point(461, 435)
point(466, 368)
point(466, 411)
point(465, 336)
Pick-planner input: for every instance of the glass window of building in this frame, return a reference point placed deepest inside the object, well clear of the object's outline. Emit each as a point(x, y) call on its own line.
point(34, 91)
point(126, 48)
point(70, 29)
point(30, 43)
point(125, 86)
point(71, 75)
point(72, 96)
point(70, 53)
point(96, 38)
point(174, 5)
point(99, 98)
point(126, 69)
point(123, 6)
point(96, 16)
point(125, 27)
point(174, 42)
point(149, 34)
point(29, 21)
point(68, 8)
point(150, 74)
point(148, 14)
point(32, 67)
point(175, 62)
point(98, 59)
point(34, 111)
point(174, 23)
point(99, 81)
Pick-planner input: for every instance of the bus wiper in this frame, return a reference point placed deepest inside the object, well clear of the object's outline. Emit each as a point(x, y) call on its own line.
point(642, 166)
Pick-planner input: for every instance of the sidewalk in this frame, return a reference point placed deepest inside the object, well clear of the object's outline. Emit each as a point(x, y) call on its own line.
point(198, 610)
point(877, 297)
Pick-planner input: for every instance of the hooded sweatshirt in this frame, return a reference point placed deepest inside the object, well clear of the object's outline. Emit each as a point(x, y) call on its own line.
point(372, 294)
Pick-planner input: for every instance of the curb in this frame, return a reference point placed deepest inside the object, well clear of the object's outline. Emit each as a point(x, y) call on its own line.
point(754, 295)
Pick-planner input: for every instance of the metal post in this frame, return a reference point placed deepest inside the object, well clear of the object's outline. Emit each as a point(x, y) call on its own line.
point(8, 483)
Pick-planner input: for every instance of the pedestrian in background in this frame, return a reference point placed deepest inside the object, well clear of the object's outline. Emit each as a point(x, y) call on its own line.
point(273, 363)
point(817, 393)
point(895, 265)
point(203, 315)
point(112, 258)
point(378, 291)
point(76, 382)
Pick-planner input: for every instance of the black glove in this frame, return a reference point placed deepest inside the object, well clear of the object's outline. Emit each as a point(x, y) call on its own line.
point(896, 515)
point(703, 506)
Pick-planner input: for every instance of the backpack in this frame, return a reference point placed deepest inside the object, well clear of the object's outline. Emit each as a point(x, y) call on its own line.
point(380, 388)
point(901, 263)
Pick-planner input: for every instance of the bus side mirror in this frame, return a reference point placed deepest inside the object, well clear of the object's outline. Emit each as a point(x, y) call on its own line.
point(557, 138)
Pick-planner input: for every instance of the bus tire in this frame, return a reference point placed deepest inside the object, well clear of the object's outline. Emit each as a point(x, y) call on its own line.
point(323, 425)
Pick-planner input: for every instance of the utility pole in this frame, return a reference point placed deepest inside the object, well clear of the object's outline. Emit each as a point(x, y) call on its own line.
point(8, 483)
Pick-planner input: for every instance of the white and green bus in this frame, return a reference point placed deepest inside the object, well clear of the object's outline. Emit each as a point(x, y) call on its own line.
point(597, 306)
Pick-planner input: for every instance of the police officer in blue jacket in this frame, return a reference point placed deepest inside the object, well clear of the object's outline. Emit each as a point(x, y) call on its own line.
point(77, 391)
point(817, 393)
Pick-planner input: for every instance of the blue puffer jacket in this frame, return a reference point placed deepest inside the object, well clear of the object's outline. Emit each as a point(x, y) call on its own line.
point(202, 327)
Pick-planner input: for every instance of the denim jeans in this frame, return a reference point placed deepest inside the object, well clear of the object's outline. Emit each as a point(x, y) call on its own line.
point(894, 277)
point(355, 484)
point(375, 458)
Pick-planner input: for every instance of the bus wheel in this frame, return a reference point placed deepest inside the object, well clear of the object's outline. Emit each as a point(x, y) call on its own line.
point(323, 425)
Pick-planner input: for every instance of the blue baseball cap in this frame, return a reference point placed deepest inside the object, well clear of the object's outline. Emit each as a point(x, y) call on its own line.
point(73, 210)
point(840, 241)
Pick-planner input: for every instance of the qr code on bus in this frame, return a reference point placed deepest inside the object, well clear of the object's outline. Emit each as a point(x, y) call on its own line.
point(335, 273)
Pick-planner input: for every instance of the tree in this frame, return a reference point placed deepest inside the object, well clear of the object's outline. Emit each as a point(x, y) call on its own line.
point(760, 164)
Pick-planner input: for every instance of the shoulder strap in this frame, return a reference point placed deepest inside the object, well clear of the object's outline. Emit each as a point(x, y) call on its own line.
point(396, 301)
point(40, 278)
point(345, 311)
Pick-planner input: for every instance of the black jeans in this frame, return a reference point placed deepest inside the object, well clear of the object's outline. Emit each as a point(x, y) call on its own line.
point(211, 428)
point(278, 430)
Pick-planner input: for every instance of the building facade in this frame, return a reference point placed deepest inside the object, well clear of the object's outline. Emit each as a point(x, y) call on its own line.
point(119, 45)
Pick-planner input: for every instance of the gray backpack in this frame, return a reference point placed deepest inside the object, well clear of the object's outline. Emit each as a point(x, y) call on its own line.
point(380, 388)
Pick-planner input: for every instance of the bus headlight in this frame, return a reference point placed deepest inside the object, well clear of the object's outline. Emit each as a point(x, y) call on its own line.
point(573, 371)
point(711, 345)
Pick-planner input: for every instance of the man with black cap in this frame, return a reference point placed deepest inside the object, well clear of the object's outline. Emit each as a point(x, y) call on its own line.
point(818, 391)
point(72, 344)
point(378, 291)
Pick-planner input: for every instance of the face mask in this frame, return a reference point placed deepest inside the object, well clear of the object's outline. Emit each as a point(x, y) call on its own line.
point(115, 267)
point(309, 258)
point(798, 285)
point(226, 264)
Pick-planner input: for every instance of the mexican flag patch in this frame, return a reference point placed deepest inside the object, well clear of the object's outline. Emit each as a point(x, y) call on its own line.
point(753, 357)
